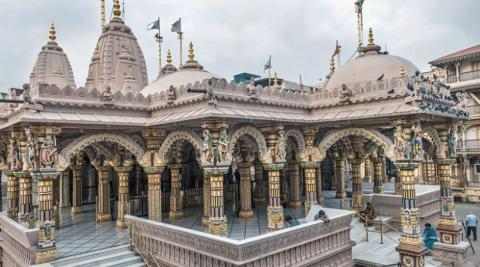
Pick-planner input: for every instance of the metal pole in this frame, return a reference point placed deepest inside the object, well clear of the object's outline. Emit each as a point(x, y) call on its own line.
point(180, 36)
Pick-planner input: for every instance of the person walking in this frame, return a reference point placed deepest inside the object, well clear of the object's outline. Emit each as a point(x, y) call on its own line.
point(472, 223)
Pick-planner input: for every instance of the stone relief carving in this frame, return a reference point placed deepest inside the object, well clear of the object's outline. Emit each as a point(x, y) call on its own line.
point(281, 147)
point(31, 157)
point(172, 137)
point(14, 155)
point(298, 136)
point(90, 139)
point(264, 153)
point(48, 152)
point(374, 136)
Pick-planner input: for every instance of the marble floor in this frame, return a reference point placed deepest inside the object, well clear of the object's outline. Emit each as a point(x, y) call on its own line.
point(81, 234)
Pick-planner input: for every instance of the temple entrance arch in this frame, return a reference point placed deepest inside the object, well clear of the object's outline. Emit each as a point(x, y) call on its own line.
point(255, 134)
point(175, 136)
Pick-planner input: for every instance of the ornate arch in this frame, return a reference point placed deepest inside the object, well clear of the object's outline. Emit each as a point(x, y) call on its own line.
point(172, 137)
point(298, 136)
point(373, 135)
point(90, 139)
point(432, 135)
point(252, 132)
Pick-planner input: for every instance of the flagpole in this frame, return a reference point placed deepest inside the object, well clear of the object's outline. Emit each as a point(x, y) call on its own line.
point(102, 6)
point(180, 37)
point(160, 40)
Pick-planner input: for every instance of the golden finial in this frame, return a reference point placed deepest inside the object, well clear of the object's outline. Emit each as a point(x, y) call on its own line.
point(169, 57)
point(116, 10)
point(332, 65)
point(275, 79)
point(370, 36)
point(53, 35)
point(191, 55)
point(402, 72)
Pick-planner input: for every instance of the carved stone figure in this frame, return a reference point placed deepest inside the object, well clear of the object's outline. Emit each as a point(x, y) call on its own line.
point(222, 147)
point(207, 147)
point(400, 142)
point(27, 98)
point(107, 95)
point(48, 152)
point(15, 159)
point(3, 153)
point(462, 100)
point(172, 94)
point(251, 88)
point(452, 152)
point(345, 94)
point(281, 147)
point(31, 149)
point(417, 133)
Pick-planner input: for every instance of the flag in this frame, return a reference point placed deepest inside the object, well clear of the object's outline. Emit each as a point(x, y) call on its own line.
point(268, 65)
point(154, 25)
point(177, 26)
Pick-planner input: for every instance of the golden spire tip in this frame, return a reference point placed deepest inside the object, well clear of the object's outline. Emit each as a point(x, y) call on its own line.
point(191, 54)
point(53, 33)
point(116, 10)
point(402, 72)
point(370, 36)
point(169, 57)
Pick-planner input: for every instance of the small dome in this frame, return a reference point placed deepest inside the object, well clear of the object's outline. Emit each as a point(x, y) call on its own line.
point(371, 65)
point(118, 60)
point(190, 72)
point(52, 66)
point(176, 79)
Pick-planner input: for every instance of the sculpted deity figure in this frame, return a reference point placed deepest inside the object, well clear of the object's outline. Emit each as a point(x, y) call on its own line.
point(15, 160)
point(252, 89)
point(462, 100)
point(48, 152)
point(31, 149)
point(222, 147)
point(401, 145)
point(417, 141)
point(27, 98)
point(281, 147)
point(451, 143)
point(107, 95)
point(207, 148)
point(3, 153)
point(172, 94)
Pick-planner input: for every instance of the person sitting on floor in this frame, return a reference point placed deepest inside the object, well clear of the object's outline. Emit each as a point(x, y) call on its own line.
point(290, 221)
point(322, 216)
point(429, 236)
point(368, 214)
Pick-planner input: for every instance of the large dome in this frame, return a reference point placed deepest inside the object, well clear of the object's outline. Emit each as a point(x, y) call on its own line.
point(189, 73)
point(370, 65)
point(118, 60)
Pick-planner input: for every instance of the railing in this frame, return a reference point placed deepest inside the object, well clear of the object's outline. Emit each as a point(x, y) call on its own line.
point(19, 244)
point(309, 243)
point(451, 79)
point(382, 233)
point(467, 76)
point(147, 256)
point(472, 144)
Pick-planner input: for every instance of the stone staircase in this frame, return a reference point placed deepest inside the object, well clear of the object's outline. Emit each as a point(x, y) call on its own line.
point(118, 256)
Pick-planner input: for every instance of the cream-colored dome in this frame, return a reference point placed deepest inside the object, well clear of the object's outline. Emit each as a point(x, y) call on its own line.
point(176, 79)
point(52, 66)
point(118, 60)
point(370, 67)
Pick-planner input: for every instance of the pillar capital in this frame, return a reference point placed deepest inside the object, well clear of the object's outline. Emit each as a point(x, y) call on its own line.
point(216, 170)
point(274, 166)
point(123, 169)
point(158, 169)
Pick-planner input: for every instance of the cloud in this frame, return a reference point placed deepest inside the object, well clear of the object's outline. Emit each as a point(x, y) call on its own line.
point(237, 36)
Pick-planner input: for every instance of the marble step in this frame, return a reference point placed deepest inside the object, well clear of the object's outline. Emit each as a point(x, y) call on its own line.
point(118, 256)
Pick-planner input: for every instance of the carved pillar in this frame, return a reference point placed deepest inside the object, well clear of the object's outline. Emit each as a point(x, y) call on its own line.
point(320, 198)
point(357, 194)
point(46, 249)
point(12, 196)
point(245, 191)
point(77, 188)
point(310, 177)
point(123, 173)
point(448, 226)
point(217, 222)
point(368, 170)
point(377, 175)
point(410, 248)
point(294, 168)
point(25, 207)
point(259, 179)
point(154, 176)
point(340, 164)
point(334, 175)
point(274, 209)
point(103, 198)
point(175, 198)
point(64, 189)
point(206, 199)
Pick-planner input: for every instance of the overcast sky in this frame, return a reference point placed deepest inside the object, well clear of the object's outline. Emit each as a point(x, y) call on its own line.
point(233, 36)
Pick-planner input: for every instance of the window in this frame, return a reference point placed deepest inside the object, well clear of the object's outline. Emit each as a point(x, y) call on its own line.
point(477, 168)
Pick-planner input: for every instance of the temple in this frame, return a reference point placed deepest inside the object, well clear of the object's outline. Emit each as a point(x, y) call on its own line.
point(193, 170)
